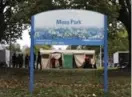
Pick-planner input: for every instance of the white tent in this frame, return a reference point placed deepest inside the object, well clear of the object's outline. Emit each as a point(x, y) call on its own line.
point(68, 51)
point(5, 56)
point(79, 56)
point(1, 47)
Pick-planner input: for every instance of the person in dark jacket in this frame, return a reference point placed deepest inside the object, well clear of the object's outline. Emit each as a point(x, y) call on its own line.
point(26, 61)
point(14, 58)
point(53, 62)
point(87, 63)
point(20, 60)
point(39, 61)
point(33, 61)
point(17, 61)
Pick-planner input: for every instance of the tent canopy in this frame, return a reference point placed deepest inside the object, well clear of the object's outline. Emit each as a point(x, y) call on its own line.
point(68, 51)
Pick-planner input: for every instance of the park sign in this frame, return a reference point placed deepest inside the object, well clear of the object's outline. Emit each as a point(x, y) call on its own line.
point(69, 27)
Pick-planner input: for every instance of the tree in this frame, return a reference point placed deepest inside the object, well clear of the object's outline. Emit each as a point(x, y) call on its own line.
point(120, 43)
point(125, 15)
point(125, 18)
point(38, 47)
point(18, 13)
point(26, 51)
point(116, 10)
point(12, 22)
point(14, 47)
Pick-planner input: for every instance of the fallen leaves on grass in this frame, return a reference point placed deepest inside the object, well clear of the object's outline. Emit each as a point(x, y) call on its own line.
point(63, 84)
point(10, 83)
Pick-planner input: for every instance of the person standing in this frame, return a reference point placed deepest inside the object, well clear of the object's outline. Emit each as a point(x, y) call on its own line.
point(21, 60)
point(26, 61)
point(39, 61)
point(53, 62)
point(17, 61)
point(87, 63)
point(34, 60)
point(14, 60)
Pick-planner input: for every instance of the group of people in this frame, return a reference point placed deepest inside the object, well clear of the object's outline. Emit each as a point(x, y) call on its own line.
point(21, 61)
point(17, 61)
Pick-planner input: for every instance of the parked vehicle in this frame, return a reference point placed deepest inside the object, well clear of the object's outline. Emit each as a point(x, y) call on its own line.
point(121, 59)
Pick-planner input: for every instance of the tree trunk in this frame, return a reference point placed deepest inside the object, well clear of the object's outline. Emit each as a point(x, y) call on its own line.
point(2, 25)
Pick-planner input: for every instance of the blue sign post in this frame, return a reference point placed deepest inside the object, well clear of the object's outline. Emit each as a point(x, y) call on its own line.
point(105, 56)
point(31, 67)
point(69, 27)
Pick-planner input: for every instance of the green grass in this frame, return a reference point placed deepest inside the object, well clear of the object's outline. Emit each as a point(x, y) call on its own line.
point(64, 83)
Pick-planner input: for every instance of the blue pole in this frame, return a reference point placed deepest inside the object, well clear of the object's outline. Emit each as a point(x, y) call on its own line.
point(105, 55)
point(31, 85)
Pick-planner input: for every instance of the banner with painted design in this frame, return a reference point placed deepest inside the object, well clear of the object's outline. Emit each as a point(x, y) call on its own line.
point(69, 27)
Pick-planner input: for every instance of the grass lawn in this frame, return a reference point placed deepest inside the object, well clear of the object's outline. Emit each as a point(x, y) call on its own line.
point(64, 83)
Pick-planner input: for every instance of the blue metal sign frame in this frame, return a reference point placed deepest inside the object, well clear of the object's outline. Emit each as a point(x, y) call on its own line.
point(104, 43)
